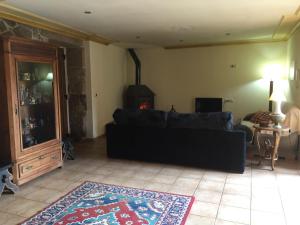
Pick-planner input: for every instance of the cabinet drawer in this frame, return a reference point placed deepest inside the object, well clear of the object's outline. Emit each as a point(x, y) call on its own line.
point(29, 167)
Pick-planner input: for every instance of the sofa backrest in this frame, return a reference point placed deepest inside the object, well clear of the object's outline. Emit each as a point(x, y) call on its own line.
point(161, 119)
point(217, 120)
point(151, 118)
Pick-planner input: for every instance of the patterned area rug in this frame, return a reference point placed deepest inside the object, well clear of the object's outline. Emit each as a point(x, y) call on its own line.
point(103, 204)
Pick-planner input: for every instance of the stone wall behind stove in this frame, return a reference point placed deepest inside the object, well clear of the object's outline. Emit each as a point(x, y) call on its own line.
point(75, 69)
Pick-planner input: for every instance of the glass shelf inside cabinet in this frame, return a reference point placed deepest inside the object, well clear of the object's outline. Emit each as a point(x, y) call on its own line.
point(36, 102)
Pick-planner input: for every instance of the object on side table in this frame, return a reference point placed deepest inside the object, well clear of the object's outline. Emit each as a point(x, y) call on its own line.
point(262, 118)
point(6, 180)
point(277, 116)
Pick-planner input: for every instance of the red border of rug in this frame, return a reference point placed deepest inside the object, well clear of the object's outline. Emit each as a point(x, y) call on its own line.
point(187, 213)
point(69, 192)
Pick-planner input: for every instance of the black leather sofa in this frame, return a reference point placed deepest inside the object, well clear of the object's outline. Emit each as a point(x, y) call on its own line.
point(201, 140)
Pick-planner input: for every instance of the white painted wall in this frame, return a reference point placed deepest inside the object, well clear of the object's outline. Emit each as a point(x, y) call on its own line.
point(178, 76)
point(293, 55)
point(106, 79)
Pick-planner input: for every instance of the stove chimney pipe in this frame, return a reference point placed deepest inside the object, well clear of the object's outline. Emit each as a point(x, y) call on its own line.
point(137, 66)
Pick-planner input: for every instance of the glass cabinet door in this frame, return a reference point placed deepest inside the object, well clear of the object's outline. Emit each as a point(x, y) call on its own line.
point(36, 102)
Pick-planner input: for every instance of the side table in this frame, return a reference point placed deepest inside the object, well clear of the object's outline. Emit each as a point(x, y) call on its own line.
point(271, 148)
point(5, 180)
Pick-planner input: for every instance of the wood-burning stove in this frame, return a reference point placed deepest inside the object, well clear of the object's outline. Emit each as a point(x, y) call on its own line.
point(138, 96)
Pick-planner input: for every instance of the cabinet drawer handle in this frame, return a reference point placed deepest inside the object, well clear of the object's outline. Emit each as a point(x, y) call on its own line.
point(41, 157)
point(28, 167)
point(54, 157)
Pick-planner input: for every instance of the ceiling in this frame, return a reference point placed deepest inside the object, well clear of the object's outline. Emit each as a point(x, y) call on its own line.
point(166, 22)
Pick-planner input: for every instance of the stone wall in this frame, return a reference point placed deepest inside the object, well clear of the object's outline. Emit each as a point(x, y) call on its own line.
point(75, 69)
point(77, 99)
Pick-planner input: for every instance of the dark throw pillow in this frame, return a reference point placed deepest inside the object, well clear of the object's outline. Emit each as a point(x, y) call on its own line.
point(261, 117)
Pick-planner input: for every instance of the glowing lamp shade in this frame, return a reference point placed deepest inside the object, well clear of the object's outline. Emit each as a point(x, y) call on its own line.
point(273, 72)
point(277, 96)
point(49, 76)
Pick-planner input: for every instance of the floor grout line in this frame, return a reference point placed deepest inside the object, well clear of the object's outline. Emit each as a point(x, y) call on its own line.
point(278, 189)
point(251, 194)
point(220, 200)
point(198, 184)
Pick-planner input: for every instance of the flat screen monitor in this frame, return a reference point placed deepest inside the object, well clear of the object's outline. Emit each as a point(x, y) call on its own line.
point(206, 105)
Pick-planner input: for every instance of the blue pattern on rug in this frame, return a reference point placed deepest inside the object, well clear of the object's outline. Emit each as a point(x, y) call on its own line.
point(102, 204)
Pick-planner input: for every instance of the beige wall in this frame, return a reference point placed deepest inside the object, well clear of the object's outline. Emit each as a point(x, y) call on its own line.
point(106, 69)
point(293, 55)
point(178, 76)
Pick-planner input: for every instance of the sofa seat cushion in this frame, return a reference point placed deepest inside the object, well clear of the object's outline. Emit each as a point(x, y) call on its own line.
point(140, 118)
point(217, 120)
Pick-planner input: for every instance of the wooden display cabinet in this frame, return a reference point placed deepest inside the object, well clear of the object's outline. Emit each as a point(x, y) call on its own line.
point(29, 76)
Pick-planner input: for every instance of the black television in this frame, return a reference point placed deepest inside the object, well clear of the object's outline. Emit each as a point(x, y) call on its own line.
point(206, 105)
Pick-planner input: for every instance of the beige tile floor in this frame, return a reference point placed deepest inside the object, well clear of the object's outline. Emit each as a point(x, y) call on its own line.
point(257, 197)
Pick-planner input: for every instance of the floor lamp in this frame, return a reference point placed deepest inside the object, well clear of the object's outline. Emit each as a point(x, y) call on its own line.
point(270, 94)
point(272, 72)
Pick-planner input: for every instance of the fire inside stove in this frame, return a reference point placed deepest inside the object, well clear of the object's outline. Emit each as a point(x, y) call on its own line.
point(145, 106)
